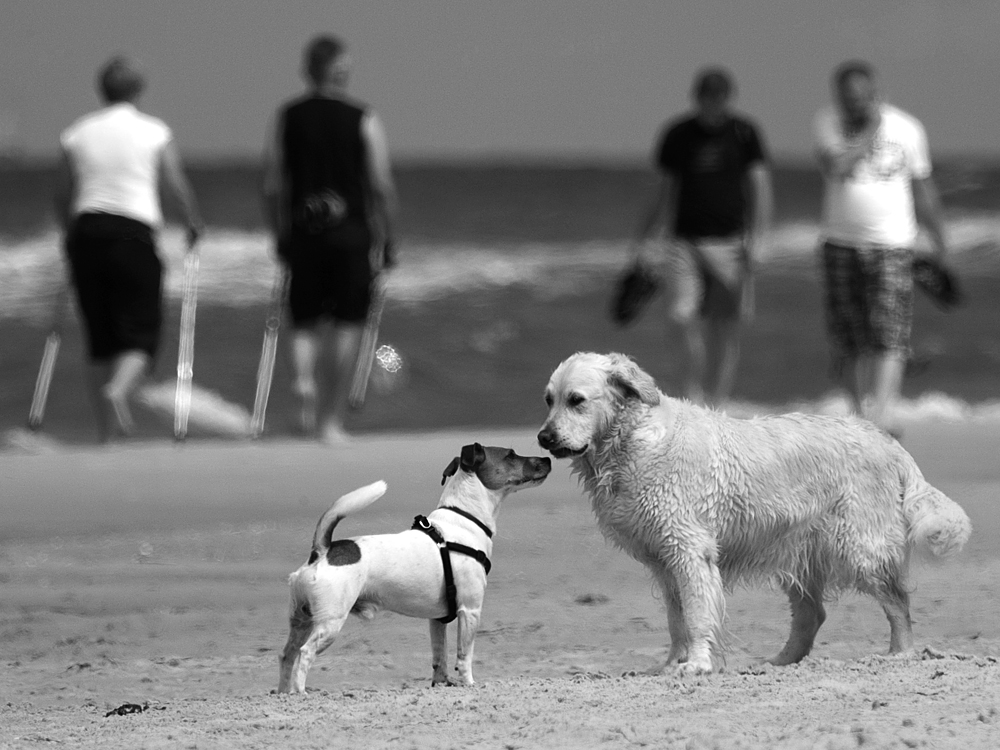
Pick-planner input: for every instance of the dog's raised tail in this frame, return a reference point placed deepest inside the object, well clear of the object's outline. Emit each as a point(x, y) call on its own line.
point(342, 507)
point(937, 523)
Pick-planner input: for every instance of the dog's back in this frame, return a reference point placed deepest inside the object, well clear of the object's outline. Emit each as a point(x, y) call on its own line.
point(778, 493)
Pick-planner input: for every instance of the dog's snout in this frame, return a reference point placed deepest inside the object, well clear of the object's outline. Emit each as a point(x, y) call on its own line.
point(546, 439)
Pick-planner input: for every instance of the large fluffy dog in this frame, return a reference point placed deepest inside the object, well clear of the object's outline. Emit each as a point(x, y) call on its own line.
point(704, 500)
point(406, 572)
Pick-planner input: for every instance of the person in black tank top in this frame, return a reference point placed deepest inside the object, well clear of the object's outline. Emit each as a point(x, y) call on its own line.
point(330, 196)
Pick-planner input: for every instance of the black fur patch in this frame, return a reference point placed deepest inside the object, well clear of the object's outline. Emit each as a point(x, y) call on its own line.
point(343, 552)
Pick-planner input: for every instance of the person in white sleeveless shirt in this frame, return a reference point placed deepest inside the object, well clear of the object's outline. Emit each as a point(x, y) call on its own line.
point(109, 206)
point(878, 193)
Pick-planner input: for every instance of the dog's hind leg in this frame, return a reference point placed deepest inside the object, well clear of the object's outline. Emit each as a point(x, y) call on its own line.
point(439, 653)
point(301, 650)
point(895, 601)
point(299, 632)
point(808, 615)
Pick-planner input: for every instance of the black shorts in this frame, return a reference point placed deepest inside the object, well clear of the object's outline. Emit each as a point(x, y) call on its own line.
point(331, 275)
point(118, 279)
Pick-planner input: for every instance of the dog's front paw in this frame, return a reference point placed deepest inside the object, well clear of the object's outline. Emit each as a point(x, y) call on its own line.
point(694, 668)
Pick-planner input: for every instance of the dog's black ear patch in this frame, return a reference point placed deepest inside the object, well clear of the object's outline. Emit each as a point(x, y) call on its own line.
point(450, 469)
point(343, 552)
point(473, 456)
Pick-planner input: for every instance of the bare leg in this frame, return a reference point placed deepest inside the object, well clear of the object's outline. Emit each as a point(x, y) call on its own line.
point(113, 384)
point(853, 378)
point(306, 349)
point(439, 653)
point(887, 371)
point(695, 341)
point(347, 343)
point(808, 615)
point(724, 342)
point(98, 374)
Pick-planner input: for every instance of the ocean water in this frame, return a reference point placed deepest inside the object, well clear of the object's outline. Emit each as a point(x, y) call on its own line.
point(503, 271)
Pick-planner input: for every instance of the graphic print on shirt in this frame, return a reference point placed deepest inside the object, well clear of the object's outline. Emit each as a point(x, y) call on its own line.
point(885, 161)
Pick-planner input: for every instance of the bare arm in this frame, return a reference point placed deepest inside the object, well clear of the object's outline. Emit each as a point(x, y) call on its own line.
point(273, 187)
point(761, 194)
point(177, 183)
point(927, 205)
point(840, 162)
point(65, 191)
point(660, 212)
point(383, 189)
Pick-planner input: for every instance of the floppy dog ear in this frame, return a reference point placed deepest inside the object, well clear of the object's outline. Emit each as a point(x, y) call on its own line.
point(449, 470)
point(473, 457)
point(631, 381)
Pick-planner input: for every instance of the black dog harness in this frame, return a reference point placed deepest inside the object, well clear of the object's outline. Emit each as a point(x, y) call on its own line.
point(421, 523)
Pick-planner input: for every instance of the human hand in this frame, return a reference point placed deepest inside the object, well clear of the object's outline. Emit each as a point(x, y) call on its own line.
point(194, 232)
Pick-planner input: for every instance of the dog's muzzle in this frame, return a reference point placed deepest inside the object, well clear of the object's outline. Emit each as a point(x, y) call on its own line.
point(550, 442)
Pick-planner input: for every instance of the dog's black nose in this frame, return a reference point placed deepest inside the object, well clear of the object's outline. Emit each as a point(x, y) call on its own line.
point(545, 438)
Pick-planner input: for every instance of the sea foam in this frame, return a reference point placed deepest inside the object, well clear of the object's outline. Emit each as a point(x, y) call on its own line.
point(238, 268)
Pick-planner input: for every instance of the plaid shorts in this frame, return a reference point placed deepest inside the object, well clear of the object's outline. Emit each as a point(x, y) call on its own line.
point(869, 298)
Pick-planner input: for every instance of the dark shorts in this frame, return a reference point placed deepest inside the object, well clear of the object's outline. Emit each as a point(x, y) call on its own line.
point(118, 280)
point(330, 275)
point(869, 298)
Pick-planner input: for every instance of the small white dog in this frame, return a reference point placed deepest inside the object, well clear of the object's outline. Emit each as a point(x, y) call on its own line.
point(436, 570)
point(818, 504)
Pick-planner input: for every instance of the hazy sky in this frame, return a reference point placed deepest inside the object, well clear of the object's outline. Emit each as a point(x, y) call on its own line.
point(470, 78)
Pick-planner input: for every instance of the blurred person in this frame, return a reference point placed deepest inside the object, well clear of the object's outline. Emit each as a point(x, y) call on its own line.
point(329, 198)
point(714, 203)
point(108, 204)
point(878, 191)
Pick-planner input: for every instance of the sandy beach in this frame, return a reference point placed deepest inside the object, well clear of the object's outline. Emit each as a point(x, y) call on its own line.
point(154, 574)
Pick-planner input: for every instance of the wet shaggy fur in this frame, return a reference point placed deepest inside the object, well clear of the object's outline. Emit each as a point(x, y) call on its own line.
point(819, 504)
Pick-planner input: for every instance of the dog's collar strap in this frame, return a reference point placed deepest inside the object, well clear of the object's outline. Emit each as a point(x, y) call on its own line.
point(466, 514)
point(420, 523)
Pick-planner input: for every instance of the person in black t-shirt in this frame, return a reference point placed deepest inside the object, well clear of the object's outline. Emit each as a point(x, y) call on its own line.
point(714, 203)
point(330, 197)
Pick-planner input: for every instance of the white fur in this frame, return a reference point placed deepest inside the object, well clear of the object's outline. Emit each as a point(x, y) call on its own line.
point(819, 504)
point(403, 572)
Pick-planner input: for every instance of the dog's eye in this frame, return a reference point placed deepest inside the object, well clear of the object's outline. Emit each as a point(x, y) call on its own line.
point(575, 399)
point(548, 400)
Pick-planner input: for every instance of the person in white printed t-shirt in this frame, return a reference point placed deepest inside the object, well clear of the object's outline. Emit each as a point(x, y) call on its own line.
point(878, 192)
point(107, 201)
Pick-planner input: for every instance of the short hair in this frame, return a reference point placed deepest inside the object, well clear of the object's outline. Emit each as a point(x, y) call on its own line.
point(712, 82)
point(319, 53)
point(852, 68)
point(120, 80)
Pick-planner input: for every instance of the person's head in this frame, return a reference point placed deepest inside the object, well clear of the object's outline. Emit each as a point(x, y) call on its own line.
point(120, 80)
point(712, 91)
point(325, 62)
point(855, 90)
